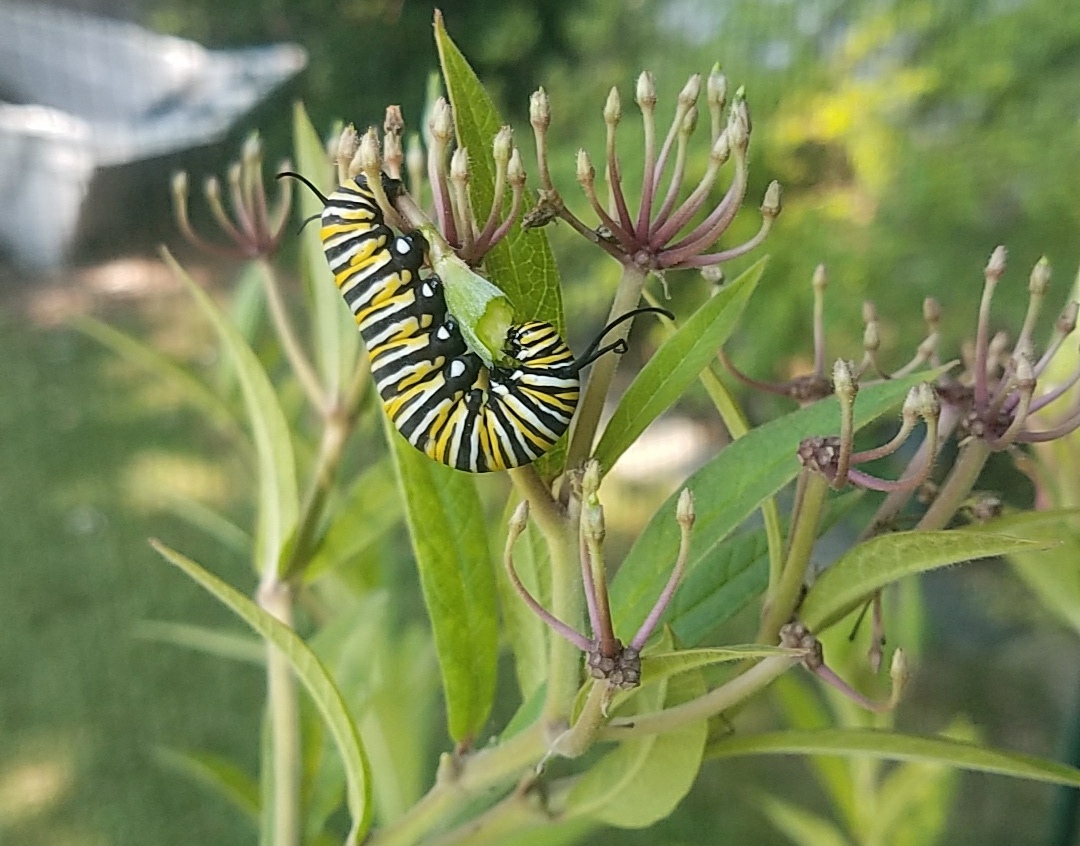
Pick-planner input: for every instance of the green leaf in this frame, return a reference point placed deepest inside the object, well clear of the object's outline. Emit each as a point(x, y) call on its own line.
point(730, 488)
point(799, 825)
point(213, 523)
point(333, 328)
point(369, 510)
point(145, 357)
point(522, 264)
point(674, 366)
point(220, 775)
point(313, 676)
point(738, 572)
point(894, 746)
point(885, 559)
point(1051, 575)
point(221, 643)
point(278, 502)
point(641, 781)
point(446, 525)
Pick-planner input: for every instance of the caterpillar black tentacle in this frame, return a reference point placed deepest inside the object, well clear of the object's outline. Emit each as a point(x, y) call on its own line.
point(437, 393)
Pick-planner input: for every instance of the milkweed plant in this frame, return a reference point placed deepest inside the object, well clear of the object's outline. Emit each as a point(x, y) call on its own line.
point(621, 691)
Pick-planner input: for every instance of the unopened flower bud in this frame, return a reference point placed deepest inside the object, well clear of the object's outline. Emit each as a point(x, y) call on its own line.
point(845, 383)
point(929, 402)
point(592, 520)
point(912, 404)
point(995, 268)
point(613, 107)
point(519, 518)
point(997, 345)
point(367, 158)
point(714, 275)
point(212, 188)
point(586, 173)
point(684, 510)
point(459, 165)
point(899, 674)
point(738, 128)
point(347, 143)
point(871, 337)
point(1066, 322)
point(716, 87)
point(770, 206)
point(646, 91)
point(689, 94)
point(180, 184)
point(820, 280)
point(502, 145)
point(515, 170)
point(721, 150)
point(1040, 277)
point(539, 109)
point(689, 121)
point(442, 121)
point(393, 122)
point(931, 310)
point(252, 149)
point(414, 157)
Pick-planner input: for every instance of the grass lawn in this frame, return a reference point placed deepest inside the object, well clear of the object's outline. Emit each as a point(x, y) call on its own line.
point(89, 446)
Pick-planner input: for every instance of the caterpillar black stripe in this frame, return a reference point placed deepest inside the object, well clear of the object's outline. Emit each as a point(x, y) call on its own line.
point(437, 393)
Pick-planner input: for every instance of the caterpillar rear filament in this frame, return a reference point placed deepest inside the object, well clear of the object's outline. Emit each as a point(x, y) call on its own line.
point(438, 393)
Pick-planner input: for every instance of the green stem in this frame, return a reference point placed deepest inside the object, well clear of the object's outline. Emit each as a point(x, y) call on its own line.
point(591, 406)
point(806, 514)
point(957, 485)
point(579, 739)
point(567, 601)
point(290, 344)
point(461, 783)
point(276, 598)
point(712, 703)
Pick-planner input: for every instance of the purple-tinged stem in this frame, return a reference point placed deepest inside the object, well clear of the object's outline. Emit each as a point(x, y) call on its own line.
point(1067, 426)
point(590, 588)
point(873, 483)
point(692, 204)
point(517, 525)
point(677, 174)
point(779, 390)
point(994, 269)
point(239, 206)
point(712, 227)
point(685, 513)
point(1056, 393)
point(827, 675)
point(676, 261)
point(647, 102)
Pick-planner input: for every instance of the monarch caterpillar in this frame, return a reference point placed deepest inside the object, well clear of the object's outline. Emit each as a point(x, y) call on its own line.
point(437, 393)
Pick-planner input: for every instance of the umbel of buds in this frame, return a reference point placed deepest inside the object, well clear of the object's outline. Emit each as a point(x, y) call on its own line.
point(665, 232)
point(606, 657)
point(255, 228)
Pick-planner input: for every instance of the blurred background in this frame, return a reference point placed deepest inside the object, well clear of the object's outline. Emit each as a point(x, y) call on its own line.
point(911, 137)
